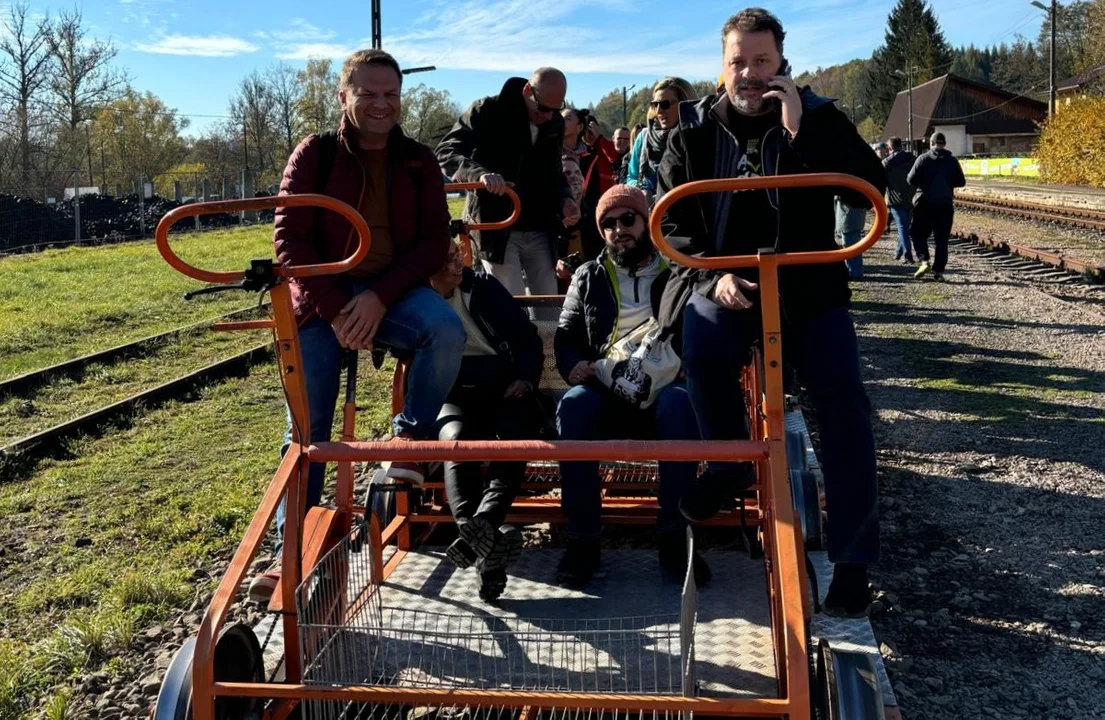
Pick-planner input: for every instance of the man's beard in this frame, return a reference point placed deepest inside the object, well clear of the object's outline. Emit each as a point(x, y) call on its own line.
point(747, 106)
point(631, 256)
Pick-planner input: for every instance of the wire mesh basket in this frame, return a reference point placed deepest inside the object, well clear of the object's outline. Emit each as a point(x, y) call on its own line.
point(351, 637)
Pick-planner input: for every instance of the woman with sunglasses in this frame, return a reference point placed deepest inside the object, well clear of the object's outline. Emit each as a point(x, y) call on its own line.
point(648, 148)
point(587, 148)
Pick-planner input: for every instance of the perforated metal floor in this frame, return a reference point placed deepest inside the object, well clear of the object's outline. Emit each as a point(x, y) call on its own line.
point(733, 654)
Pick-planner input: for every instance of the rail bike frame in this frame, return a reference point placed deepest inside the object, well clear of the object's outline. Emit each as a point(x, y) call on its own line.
point(464, 230)
point(786, 579)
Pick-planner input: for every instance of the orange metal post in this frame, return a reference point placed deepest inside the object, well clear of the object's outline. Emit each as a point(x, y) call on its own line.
point(465, 240)
point(290, 479)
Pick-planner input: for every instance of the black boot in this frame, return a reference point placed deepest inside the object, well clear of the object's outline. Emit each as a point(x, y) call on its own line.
point(849, 595)
point(579, 562)
point(710, 491)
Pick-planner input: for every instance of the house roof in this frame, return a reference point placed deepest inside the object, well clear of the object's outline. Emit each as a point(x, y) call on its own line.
point(953, 100)
point(1076, 82)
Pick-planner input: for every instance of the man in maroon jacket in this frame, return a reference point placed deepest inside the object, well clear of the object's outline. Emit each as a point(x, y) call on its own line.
point(395, 183)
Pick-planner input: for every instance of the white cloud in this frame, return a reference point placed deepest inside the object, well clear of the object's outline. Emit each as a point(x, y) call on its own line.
point(208, 46)
point(303, 51)
point(302, 31)
point(519, 35)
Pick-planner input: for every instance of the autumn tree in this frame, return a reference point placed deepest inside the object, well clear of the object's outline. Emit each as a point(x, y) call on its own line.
point(318, 102)
point(139, 135)
point(427, 113)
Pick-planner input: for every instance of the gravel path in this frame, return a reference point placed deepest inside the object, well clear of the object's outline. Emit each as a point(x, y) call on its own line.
point(990, 399)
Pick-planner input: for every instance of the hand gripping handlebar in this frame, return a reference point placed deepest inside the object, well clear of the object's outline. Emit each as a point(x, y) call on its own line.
point(502, 224)
point(263, 203)
point(761, 183)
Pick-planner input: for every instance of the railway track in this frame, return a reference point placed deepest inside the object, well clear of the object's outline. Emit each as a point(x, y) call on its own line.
point(24, 451)
point(1041, 264)
point(1084, 218)
point(22, 384)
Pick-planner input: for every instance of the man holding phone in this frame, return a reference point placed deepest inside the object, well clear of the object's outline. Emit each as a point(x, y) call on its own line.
point(763, 125)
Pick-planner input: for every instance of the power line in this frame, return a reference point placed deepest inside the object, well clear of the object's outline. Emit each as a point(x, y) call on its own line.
point(983, 112)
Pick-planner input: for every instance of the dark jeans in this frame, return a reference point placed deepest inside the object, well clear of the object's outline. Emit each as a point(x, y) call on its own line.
point(932, 219)
point(902, 216)
point(825, 353)
point(588, 413)
point(477, 410)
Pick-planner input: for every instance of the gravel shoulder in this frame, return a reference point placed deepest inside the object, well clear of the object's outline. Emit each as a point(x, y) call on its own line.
point(990, 402)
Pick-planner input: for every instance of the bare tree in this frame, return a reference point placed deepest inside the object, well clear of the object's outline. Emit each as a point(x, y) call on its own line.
point(252, 107)
point(85, 79)
point(286, 92)
point(24, 69)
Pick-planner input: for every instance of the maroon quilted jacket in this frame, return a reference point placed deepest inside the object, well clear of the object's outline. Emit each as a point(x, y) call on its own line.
point(419, 221)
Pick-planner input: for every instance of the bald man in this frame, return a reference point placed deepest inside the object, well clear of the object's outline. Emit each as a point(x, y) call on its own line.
point(515, 137)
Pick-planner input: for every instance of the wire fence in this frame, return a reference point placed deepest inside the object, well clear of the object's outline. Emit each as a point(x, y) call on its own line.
point(64, 208)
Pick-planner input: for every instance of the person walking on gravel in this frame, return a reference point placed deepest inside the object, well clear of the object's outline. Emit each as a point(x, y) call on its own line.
point(393, 180)
point(764, 125)
point(899, 195)
point(515, 137)
point(934, 177)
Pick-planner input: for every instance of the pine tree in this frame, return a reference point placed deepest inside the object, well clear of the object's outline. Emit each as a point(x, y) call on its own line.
point(913, 38)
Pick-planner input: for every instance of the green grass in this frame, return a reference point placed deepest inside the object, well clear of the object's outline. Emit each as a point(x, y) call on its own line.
point(61, 304)
point(148, 505)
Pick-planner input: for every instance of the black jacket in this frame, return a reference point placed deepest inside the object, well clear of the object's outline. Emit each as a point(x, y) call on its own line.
point(898, 190)
point(589, 312)
point(701, 144)
point(493, 136)
point(935, 174)
point(504, 323)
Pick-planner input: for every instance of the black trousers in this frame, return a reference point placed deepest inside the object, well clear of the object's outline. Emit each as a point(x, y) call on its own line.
point(932, 219)
point(477, 410)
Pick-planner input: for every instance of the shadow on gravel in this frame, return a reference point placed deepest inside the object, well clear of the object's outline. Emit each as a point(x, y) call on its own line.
point(869, 312)
point(980, 633)
point(1006, 402)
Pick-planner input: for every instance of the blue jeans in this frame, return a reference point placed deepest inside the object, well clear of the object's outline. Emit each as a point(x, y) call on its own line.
point(903, 214)
point(855, 265)
point(824, 351)
point(587, 413)
point(422, 322)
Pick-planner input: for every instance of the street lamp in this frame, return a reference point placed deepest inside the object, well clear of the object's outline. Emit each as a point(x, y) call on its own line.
point(625, 114)
point(1052, 12)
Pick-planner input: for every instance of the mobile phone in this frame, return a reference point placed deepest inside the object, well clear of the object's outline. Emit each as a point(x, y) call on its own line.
point(784, 67)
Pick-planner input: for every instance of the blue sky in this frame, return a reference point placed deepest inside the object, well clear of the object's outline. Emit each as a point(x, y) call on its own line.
point(192, 53)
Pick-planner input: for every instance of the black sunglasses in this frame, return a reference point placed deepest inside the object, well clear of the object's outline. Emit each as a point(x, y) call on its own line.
point(627, 219)
point(661, 104)
point(540, 107)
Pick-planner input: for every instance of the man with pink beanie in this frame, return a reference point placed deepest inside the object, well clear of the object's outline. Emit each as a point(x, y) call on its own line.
point(609, 297)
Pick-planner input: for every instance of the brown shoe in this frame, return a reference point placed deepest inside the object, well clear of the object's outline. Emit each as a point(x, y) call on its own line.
point(405, 470)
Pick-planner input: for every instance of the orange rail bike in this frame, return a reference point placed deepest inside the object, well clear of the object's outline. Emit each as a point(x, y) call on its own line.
point(462, 229)
point(356, 646)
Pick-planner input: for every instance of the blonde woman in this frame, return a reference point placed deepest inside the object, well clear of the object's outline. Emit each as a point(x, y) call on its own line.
point(648, 148)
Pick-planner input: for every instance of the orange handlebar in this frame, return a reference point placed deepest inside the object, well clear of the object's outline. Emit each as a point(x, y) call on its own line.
point(502, 224)
point(264, 203)
point(761, 183)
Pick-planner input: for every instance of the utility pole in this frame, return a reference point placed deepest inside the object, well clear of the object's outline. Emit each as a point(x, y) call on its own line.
point(909, 72)
point(377, 39)
point(1053, 12)
point(625, 107)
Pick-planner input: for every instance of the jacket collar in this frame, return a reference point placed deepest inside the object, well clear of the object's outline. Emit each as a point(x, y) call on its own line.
point(348, 135)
